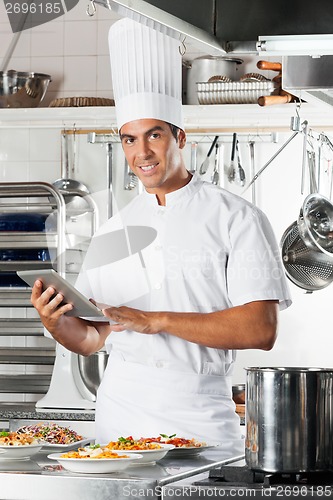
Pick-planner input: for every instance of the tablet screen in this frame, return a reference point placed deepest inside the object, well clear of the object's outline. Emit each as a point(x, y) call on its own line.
point(82, 306)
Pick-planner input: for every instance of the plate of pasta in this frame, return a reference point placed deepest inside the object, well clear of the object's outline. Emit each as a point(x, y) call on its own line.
point(150, 451)
point(181, 447)
point(14, 446)
point(94, 460)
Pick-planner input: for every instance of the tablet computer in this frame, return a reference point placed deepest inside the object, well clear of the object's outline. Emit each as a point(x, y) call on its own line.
point(82, 306)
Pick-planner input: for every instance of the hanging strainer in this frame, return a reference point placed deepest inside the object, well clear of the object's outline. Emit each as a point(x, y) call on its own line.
point(307, 268)
point(315, 223)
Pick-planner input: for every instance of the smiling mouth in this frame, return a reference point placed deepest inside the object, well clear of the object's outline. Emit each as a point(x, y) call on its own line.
point(148, 168)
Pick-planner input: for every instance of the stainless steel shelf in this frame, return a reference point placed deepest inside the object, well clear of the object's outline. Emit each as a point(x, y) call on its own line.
point(27, 356)
point(13, 239)
point(25, 384)
point(19, 327)
point(19, 265)
point(15, 297)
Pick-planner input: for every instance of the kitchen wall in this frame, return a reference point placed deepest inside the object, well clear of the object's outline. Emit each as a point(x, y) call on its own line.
point(74, 51)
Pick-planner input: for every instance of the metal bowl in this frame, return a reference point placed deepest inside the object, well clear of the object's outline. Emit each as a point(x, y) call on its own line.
point(91, 369)
point(238, 393)
point(22, 90)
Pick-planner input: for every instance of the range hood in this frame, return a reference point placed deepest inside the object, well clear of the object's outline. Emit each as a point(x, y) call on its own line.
point(217, 27)
point(201, 35)
point(301, 32)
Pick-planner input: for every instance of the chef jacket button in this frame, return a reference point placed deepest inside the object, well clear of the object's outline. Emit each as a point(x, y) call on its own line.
point(160, 212)
point(159, 364)
point(158, 247)
point(158, 286)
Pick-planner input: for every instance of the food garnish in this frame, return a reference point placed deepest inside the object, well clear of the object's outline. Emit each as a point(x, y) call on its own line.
point(178, 442)
point(129, 443)
point(51, 433)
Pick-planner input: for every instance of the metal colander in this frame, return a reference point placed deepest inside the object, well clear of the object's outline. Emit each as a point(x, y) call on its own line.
point(315, 223)
point(307, 268)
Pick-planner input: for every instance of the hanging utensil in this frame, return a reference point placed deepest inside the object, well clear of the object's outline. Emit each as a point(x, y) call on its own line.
point(205, 163)
point(66, 183)
point(312, 171)
point(253, 171)
point(109, 178)
point(305, 267)
point(307, 245)
point(321, 140)
point(72, 190)
point(315, 224)
point(305, 143)
point(194, 151)
point(107, 140)
point(232, 167)
point(216, 174)
point(130, 179)
point(240, 172)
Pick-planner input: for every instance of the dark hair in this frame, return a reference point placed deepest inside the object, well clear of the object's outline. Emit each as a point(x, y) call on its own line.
point(174, 130)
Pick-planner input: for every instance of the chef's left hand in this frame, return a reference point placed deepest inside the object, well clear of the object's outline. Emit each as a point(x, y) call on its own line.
point(128, 318)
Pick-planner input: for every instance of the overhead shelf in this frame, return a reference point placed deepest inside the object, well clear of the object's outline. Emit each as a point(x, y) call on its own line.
point(197, 119)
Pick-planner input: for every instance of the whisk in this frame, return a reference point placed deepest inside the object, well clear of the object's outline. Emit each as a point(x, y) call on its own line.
point(130, 179)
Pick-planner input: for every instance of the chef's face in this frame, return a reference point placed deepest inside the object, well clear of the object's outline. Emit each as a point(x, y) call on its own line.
point(154, 155)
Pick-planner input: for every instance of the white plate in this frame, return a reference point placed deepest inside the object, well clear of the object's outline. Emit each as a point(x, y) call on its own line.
point(180, 452)
point(69, 446)
point(95, 465)
point(19, 452)
point(149, 456)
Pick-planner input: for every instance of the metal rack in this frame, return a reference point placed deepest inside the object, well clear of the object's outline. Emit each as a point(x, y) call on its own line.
point(20, 361)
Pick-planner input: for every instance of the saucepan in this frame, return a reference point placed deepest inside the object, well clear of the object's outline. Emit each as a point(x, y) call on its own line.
point(203, 68)
point(289, 419)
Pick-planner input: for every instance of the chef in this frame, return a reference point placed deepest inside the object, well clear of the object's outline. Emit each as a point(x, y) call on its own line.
point(188, 273)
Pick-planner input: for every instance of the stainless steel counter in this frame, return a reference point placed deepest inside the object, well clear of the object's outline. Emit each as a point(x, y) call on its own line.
point(40, 479)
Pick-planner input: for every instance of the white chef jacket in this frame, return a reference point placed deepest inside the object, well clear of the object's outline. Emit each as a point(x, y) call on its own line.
point(206, 250)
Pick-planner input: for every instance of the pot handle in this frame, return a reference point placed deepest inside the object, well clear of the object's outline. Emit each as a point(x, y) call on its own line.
point(269, 100)
point(187, 64)
point(270, 66)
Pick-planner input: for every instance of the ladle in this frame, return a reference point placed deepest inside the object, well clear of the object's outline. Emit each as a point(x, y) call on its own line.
point(71, 189)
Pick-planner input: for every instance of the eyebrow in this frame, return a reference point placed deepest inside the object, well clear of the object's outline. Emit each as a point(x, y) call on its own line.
point(148, 132)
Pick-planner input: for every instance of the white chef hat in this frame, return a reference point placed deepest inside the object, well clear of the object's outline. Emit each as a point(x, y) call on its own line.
point(146, 73)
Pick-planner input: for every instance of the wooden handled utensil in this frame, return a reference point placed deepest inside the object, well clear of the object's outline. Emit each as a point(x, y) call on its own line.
point(205, 164)
point(232, 167)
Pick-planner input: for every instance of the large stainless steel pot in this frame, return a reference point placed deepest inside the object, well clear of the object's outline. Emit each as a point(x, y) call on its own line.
point(204, 67)
point(289, 419)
